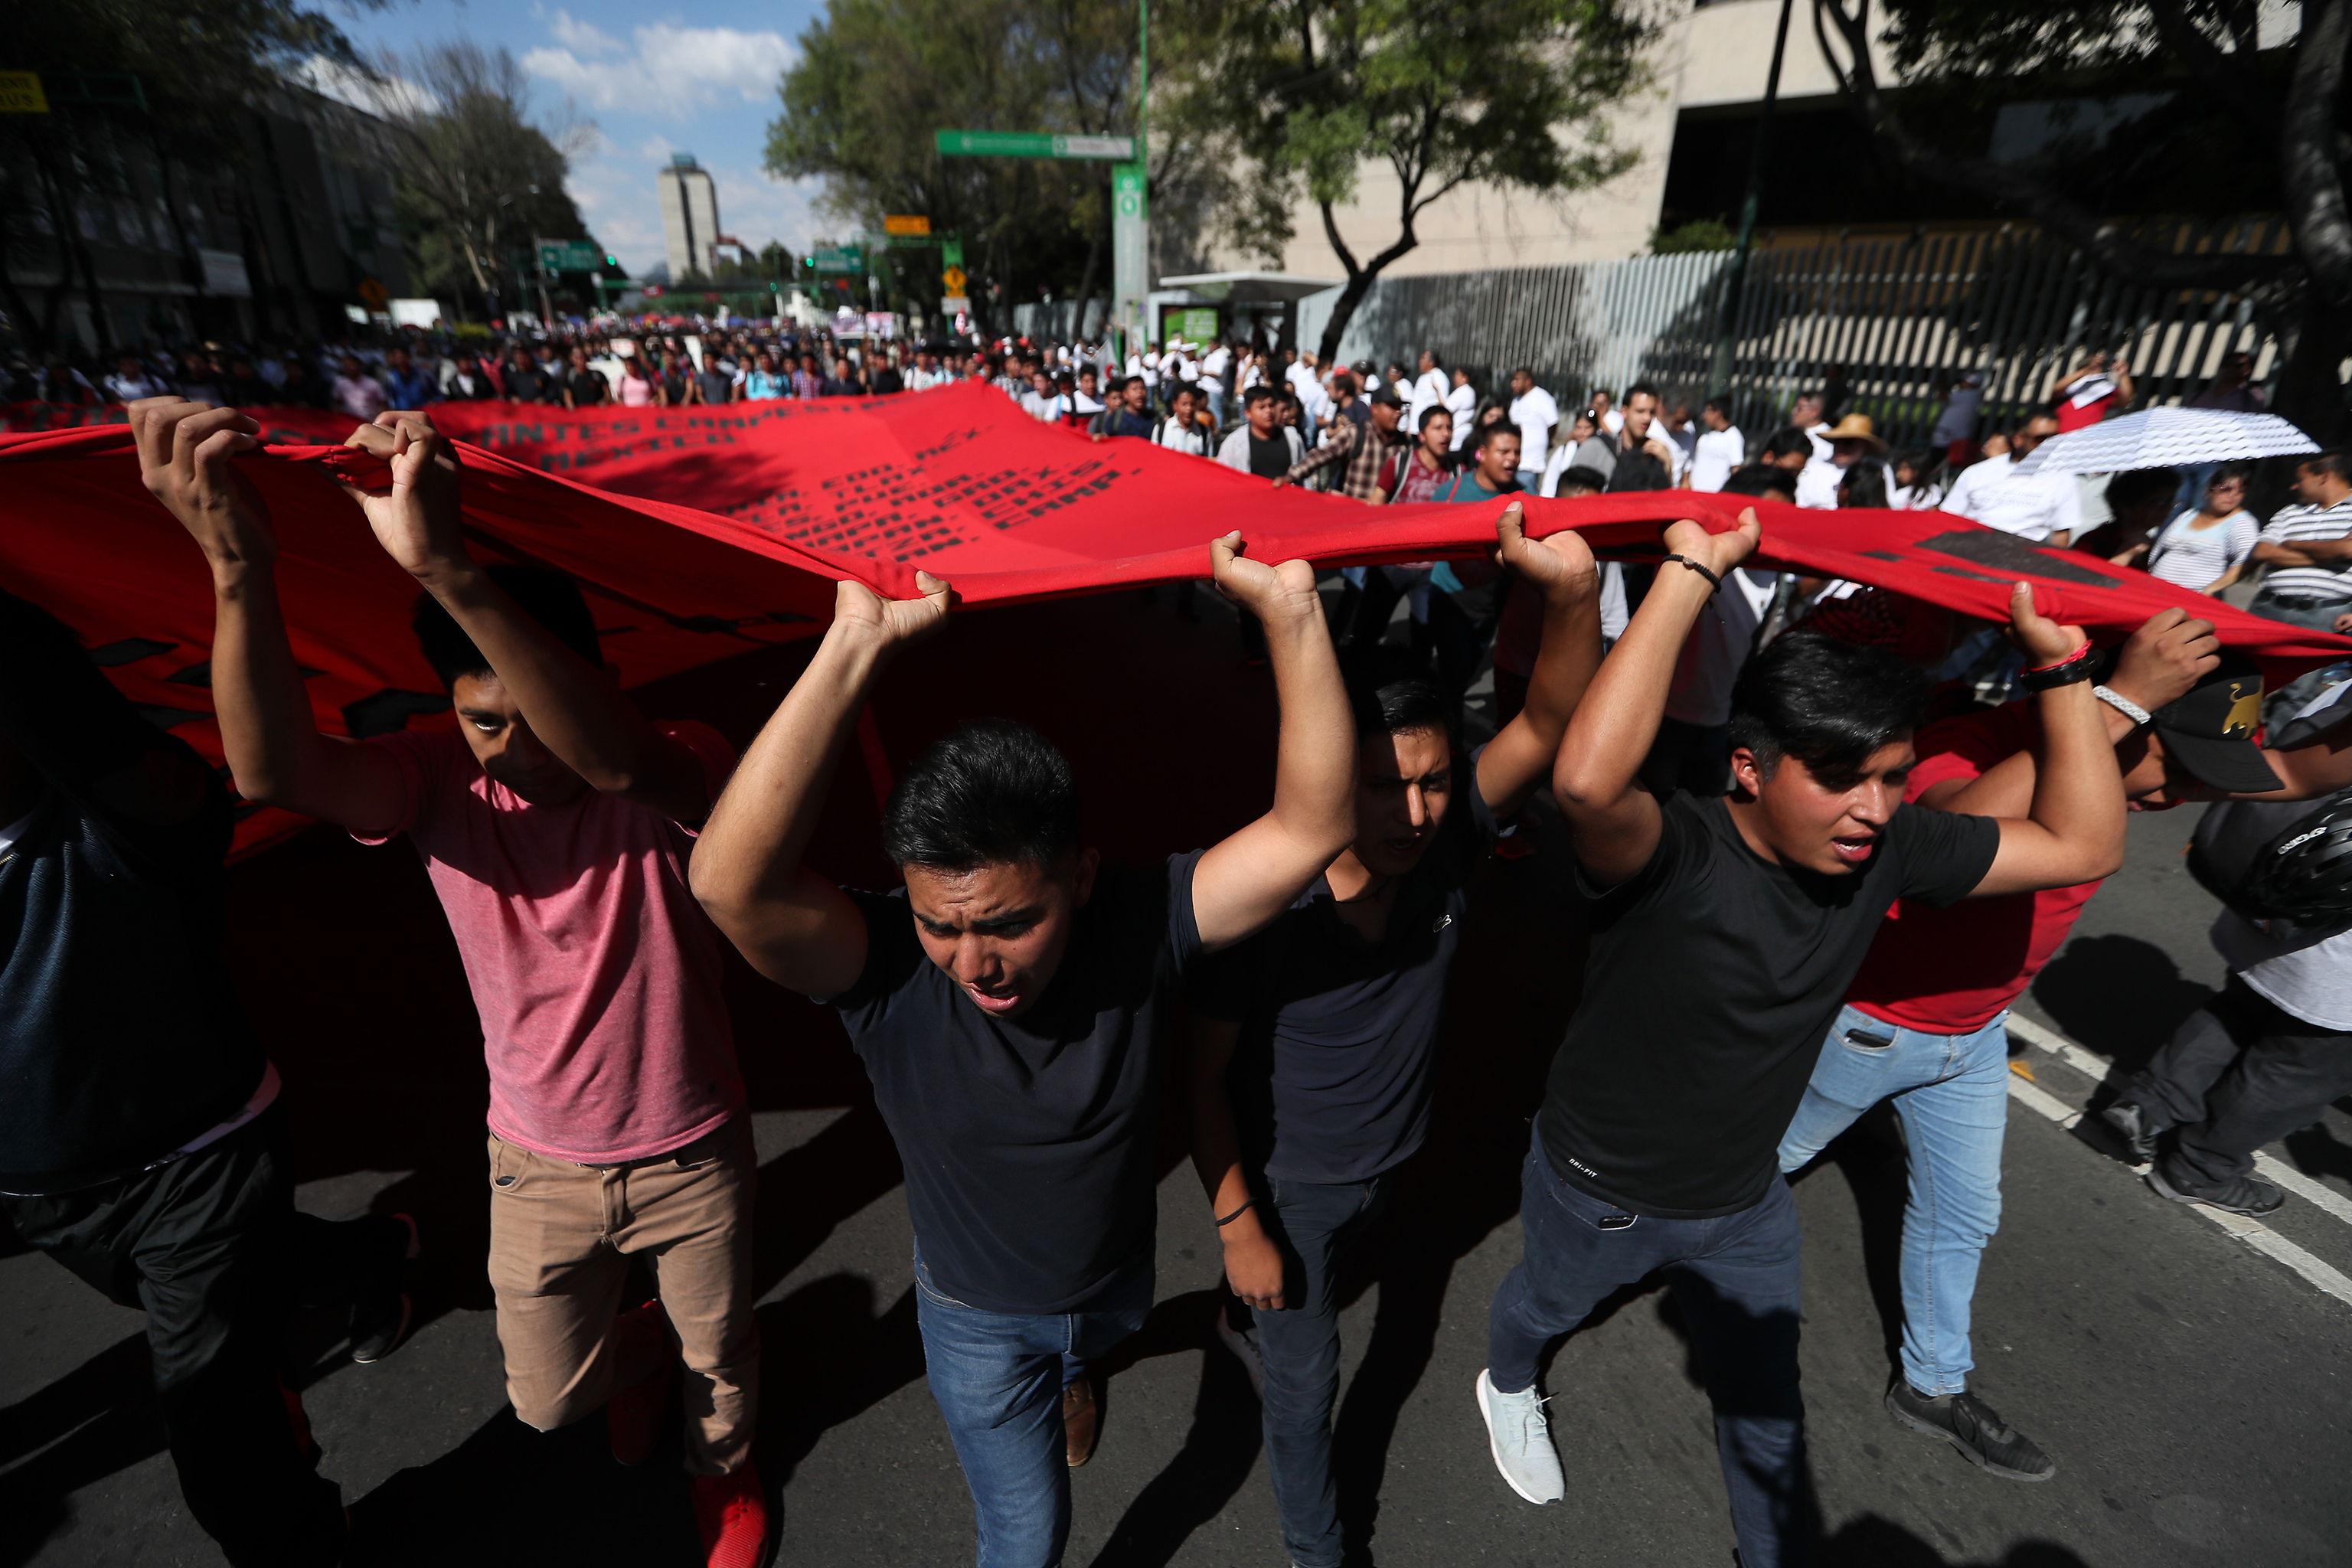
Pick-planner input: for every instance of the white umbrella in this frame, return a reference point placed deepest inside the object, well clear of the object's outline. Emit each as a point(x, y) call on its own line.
point(2166, 438)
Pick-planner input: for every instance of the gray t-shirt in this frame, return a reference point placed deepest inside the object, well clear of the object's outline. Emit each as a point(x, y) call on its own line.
point(2308, 973)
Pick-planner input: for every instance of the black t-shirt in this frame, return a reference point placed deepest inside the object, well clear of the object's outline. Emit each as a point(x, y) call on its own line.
point(1713, 975)
point(526, 386)
point(1028, 1142)
point(1331, 1074)
point(1636, 469)
point(1269, 455)
point(718, 386)
point(588, 388)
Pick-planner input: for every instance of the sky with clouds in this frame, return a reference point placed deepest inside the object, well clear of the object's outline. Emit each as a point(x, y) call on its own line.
point(700, 81)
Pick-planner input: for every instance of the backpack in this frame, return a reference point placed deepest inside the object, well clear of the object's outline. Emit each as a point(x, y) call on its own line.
point(2278, 863)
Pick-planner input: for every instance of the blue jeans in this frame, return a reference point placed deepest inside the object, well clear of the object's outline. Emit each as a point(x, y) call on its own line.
point(1735, 1277)
point(1952, 1093)
point(998, 1379)
point(1313, 1223)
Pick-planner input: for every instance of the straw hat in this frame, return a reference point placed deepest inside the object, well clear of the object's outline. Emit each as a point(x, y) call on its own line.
point(1854, 428)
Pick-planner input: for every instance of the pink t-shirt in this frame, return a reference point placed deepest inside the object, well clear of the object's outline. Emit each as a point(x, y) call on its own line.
point(596, 973)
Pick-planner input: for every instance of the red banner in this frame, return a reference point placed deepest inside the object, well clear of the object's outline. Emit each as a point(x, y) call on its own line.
point(698, 534)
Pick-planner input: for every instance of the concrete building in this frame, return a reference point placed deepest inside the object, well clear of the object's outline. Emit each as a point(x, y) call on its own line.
point(690, 210)
point(146, 250)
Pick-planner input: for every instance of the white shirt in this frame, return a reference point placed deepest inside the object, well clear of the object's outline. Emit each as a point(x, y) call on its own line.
point(1817, 485)
point(1535, 413)
point(2307, 975)
point(1719, 453)
point(2322, 579)
point(1462, 404)
point(1914, 498)
point(2031, 506)
point(1613, 421)
point(1823, 450)
point(1428, 393)
point(1214, 362)
point(1039, 405)
point(1173, 435)
point(2197, 557)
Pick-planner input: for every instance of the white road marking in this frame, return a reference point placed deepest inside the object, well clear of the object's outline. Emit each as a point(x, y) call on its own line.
point(2322, 1276)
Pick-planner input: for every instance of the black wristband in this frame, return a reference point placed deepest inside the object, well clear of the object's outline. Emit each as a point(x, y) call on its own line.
point(1237, 1213)
point(2081, 666)
point(1695, 566)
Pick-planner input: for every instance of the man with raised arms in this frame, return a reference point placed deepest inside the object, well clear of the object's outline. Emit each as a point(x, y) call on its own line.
point(1725, 931)
point(1335, 1010)
point(1008, 1003)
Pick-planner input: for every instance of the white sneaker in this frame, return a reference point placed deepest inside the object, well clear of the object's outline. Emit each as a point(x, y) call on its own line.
point(1520, 1439)
point(1242, 1342)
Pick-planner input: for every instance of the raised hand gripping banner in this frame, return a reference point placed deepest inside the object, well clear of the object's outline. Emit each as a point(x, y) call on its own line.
point(702, 532)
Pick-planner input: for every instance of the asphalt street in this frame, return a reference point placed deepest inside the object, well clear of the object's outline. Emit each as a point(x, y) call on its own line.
point(2196, 1391)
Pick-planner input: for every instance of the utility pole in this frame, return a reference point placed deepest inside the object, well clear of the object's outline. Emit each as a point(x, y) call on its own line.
point(1130, 223)
point(1735, 275)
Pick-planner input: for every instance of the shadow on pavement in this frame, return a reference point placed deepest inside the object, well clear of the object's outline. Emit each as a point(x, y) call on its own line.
point(1871, 1541)
point(2119, 996)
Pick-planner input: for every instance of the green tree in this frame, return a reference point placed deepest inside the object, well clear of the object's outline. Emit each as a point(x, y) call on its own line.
point(2283, 104)
point(877, 79)
point(1445, 93)
point(479, 179)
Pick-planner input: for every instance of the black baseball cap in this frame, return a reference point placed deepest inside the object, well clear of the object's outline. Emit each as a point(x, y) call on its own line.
point(2209, 729)
point(1388, 396)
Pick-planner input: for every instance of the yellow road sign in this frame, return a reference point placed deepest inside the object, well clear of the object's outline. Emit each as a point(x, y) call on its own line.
point(954, 279)
point(20, 93)
point(900, 224)
point(372, 294)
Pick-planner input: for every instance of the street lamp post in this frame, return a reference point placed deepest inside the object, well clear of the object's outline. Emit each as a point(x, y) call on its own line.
point(1735, 275)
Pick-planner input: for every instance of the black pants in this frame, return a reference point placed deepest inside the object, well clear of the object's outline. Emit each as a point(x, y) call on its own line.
point(211, 1248)
point(2239, 1072)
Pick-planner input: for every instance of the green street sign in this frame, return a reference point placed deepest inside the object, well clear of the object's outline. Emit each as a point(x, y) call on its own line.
point(847, 259)
point(1033, 144)
point(569, 256)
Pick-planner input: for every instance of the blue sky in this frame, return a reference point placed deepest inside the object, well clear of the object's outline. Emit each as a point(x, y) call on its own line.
point(654, 81)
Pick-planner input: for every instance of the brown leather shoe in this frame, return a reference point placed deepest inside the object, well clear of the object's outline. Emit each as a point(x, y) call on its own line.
point(1081, 1421)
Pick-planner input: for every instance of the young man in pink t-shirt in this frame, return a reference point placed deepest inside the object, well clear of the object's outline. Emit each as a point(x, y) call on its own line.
point(555, 823)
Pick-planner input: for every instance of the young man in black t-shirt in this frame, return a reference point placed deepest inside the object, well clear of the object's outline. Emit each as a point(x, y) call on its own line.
point(1008, 1003)
point(1725, 931)
point(1315, 1041)
point(142, 1144)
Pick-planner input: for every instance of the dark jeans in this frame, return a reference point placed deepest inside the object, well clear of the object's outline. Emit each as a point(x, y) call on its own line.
point(1314, 1224)
point(211, 1248)
point(1735, 1277)
point(2239, 1072)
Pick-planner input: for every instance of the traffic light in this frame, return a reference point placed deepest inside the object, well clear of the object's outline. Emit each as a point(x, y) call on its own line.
point(612, 261)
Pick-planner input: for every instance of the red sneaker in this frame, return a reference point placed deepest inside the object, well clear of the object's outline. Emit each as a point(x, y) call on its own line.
point(634, 1416)
point(731, 1511)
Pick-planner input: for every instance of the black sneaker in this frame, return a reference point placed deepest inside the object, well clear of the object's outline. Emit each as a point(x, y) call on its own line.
point(2248, 1195)
point(382, 1311)
point(1969, 1425)
point(2129, 1122)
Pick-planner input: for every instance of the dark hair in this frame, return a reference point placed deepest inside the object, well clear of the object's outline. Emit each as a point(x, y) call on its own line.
point(1435, 363)
point(1760, 480)
point(1489, 432)
point(1432, 412)
point(1584, 478)
point(1786, 439)
point(2138, 487)
point(550, 598)
point(1256, 394)
point(2323, 463)
point(1829, 704)
point(1865, 484)
point(1523, 370)
point(1390, 692)
point(1643, 389)
point(1720, 405)
point(1130, 381)
point(990, 791)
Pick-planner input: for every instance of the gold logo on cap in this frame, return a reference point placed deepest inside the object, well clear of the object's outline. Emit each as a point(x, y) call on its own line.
point(2245, 710)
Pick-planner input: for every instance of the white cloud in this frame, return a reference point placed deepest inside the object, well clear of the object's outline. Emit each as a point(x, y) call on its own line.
point(580, 38)
point(390, 95)
point(672, 71)
point(616, 194)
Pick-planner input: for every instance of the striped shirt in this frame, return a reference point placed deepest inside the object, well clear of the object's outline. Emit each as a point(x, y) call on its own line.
point(2321, 579)
point(1363, 447)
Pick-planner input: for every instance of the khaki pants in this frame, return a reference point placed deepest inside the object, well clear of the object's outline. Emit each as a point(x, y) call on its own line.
point(561, 1238)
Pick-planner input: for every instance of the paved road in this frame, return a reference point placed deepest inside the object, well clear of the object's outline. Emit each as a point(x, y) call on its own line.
point(2197, 1392)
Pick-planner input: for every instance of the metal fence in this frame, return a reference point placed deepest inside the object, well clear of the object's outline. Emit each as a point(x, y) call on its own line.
point(1893, 320)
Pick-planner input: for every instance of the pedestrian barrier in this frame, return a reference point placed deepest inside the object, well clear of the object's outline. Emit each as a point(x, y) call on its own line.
point(1895, 319)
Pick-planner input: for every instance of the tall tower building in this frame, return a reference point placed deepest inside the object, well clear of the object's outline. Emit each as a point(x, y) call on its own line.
point(690, 210)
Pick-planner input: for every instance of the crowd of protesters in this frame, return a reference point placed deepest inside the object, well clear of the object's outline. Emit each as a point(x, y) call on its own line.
point(1751, 772)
